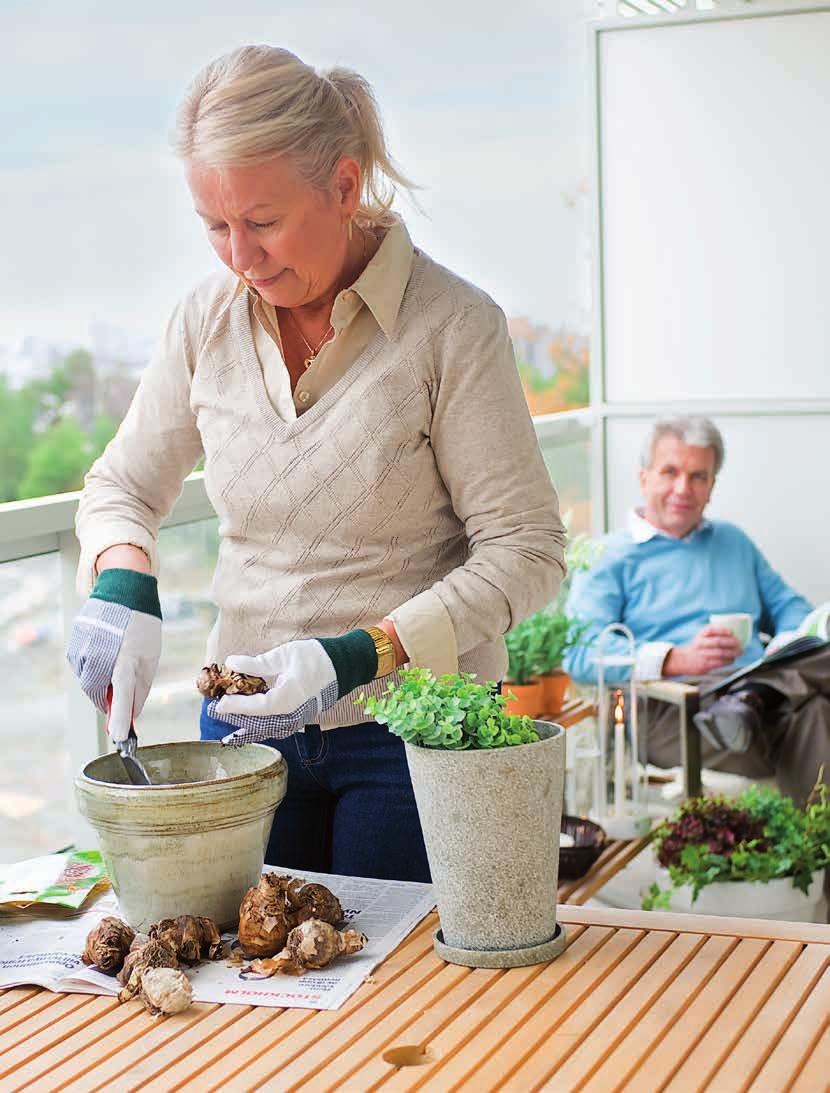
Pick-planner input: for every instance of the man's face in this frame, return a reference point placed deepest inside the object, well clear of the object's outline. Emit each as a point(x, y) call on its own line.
point(677, 486)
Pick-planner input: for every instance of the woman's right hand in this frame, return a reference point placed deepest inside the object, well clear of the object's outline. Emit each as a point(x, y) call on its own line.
point(116, 643)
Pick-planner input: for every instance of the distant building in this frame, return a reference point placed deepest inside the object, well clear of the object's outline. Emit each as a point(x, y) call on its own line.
point(30, 358)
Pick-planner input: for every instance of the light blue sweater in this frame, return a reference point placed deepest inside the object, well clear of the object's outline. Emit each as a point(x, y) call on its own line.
point(665, 589)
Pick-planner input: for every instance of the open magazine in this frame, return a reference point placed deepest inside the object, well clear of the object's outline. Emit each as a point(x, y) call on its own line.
point(48, 953)
point(810, 636)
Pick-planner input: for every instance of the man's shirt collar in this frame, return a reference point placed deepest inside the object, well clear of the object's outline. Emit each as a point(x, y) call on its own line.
point(642, 531)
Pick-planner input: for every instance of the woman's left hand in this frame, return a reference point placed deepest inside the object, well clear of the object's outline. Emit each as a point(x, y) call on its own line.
point(302, 683)
point(304, 679)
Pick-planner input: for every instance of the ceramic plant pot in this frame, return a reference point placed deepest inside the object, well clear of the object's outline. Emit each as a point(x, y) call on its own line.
point(194, 841)
point(527, 697)
point(777, 899)
point(554, 690)
point(488, 817)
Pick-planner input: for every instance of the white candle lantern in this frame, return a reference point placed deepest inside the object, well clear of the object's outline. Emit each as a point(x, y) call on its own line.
point(620, 781)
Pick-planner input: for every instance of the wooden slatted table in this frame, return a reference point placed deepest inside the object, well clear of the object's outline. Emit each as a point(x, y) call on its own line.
point(637, 1002)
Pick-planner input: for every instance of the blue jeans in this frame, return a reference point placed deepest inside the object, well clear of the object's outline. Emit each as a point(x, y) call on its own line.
point(349, 808)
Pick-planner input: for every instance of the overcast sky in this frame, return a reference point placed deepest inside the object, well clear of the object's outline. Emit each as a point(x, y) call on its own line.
point(484, 106)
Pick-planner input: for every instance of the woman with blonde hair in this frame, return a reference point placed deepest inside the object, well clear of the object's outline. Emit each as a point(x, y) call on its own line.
point(367, 448)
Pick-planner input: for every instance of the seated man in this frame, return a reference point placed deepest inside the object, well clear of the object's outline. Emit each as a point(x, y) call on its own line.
point(663, 577)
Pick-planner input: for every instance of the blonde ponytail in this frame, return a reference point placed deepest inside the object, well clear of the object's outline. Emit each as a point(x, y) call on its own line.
point(259, 102)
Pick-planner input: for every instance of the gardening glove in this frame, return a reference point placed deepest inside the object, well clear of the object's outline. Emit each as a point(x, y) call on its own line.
point(115, 645)
point(304, 679)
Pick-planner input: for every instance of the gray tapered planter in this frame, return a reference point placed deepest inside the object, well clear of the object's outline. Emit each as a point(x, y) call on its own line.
point(491, 823)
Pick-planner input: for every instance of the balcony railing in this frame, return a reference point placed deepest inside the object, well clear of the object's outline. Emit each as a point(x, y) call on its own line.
point(55, 728)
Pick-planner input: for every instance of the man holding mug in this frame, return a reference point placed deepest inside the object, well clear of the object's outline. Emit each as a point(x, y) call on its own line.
point(697, 595)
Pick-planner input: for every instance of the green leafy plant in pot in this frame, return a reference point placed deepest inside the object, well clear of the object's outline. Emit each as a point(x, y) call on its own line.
point(757, 855)
point(523, 687)
point(557, 632)
point(489, 788)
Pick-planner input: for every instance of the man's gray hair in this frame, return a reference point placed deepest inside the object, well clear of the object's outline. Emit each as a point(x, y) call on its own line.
point(699, 432)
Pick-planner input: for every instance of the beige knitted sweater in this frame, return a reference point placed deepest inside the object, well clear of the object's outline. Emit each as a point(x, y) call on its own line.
point(413, 489)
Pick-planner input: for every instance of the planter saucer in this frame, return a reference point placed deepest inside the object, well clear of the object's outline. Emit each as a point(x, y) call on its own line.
point(501, 958)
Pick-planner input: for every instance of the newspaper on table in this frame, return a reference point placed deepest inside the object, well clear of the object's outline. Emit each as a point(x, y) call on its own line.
point(48, 954)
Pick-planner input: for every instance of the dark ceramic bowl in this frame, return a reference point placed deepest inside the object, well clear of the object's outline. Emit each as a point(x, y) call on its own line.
point(589, 842)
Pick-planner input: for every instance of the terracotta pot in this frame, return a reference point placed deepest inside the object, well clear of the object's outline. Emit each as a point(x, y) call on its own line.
point(554, 691)
point(528, 697)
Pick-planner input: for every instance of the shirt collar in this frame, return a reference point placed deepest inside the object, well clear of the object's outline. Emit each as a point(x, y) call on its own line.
point(382, 284)
point(642, 531)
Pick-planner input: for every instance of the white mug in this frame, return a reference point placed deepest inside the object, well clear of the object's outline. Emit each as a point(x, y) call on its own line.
point(739, 622)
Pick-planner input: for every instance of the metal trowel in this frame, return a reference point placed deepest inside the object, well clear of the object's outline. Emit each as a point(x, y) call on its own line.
point(135, 769)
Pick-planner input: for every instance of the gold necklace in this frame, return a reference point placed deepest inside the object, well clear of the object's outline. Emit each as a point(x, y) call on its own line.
point(312, 352)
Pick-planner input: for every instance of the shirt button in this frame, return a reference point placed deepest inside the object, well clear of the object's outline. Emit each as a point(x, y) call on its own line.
point(303, 397)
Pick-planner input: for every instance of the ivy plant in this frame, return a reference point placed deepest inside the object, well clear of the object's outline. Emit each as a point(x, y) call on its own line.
point(453, 712)
point(756, 837)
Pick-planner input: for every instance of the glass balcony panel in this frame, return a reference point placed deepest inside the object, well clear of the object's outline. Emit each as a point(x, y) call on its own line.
point(36, 775)
point(566, 448)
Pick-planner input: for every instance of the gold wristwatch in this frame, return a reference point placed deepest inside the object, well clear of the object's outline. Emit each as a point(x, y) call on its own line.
point(387, 658)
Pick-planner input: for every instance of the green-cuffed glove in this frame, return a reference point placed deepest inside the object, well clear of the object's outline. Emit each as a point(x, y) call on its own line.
point(116, 642)
point(304, 679)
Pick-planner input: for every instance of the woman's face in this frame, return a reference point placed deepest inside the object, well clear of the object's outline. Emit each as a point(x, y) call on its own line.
point(285, 237)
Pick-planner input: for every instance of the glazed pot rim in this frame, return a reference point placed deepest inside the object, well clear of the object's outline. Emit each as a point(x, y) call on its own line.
point(268, 770)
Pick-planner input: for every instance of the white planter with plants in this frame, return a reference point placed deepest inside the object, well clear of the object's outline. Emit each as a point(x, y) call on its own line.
point(757, 856)
point(489, 788)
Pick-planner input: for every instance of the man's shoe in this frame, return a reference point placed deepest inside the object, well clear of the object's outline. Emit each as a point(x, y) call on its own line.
point(731, 721)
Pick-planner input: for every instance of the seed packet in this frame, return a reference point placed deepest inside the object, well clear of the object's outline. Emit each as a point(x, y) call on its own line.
point(53, 882)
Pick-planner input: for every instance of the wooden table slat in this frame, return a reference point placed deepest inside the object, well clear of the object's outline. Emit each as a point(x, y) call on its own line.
point(576, 982)
point(442, 979)
point(640, 1038)
point(583, 1019)
point(462, 1028)
point(22, 1031)
point(14, 996)
point(62, 1025)
point(226, 1050)
point(585, 1059)
point(813, 1077)
point(703, 1009)
point(771, 1022)
point(105, 1021)
point(458, 1056)
point(112, 1058)
point(421, 1026)
point(24, 1009)
point(334, 1031)
point(638, 1001)
point(190, 1041)
point(803, 1033)
point(712, 1048)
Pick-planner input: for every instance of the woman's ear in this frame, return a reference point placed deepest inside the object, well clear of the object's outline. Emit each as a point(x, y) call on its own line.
point(347, 185)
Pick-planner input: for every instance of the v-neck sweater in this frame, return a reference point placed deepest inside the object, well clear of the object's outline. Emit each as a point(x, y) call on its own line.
point(413, 485)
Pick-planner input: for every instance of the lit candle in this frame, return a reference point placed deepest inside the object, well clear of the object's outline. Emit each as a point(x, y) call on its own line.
point(619, 754)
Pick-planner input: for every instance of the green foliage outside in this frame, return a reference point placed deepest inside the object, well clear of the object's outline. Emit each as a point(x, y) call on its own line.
point(454, 712)
point(51, 430)
point(757, 837)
